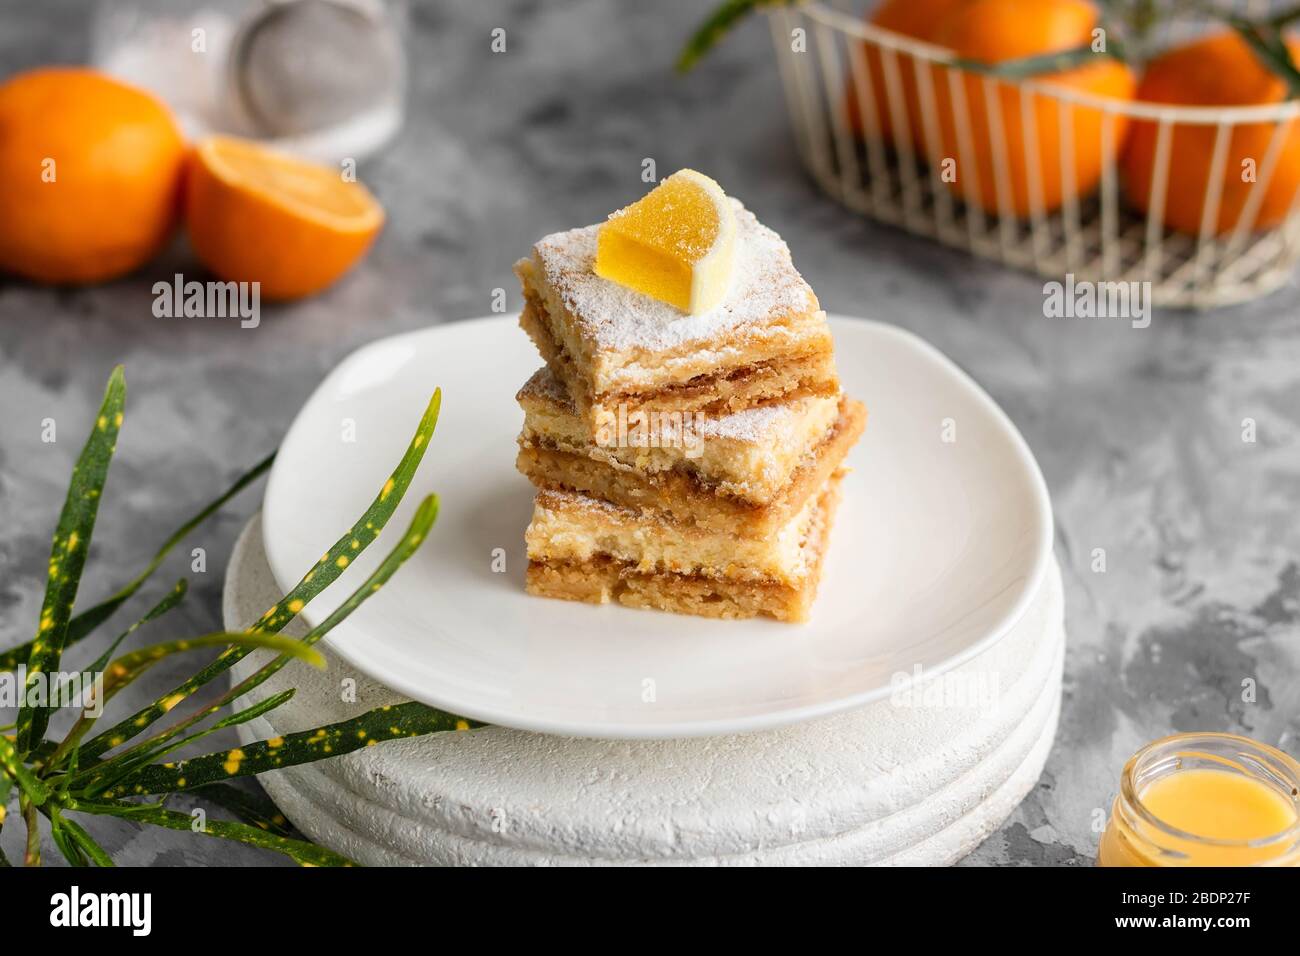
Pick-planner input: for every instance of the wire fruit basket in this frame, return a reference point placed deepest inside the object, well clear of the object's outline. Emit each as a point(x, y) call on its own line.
point(1056, 170)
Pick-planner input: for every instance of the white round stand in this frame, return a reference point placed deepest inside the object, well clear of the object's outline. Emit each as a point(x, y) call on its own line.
point(920, 779)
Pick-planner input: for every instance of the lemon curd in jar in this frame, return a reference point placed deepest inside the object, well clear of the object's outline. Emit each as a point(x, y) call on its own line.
point(1205, 800)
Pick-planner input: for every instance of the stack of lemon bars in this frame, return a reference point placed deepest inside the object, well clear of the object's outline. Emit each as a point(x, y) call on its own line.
point(687, 433)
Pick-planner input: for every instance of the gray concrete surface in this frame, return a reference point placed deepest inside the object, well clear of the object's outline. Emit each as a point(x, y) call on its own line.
point(1139, 432)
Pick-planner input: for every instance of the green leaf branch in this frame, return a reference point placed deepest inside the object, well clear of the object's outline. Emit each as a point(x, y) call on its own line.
point(68, 553)
point(102, 775)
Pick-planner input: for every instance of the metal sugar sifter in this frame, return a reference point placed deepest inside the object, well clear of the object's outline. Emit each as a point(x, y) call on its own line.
point(326, 75)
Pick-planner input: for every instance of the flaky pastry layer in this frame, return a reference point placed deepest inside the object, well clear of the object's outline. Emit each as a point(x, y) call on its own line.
point(724, 390)
point(601, 579)
point(686, 498)
point(748, 455)
point(568, 526)
point(622, 340)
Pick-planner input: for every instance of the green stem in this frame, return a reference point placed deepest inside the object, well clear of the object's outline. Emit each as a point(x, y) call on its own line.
point(87, 843)
point(69, 847)
point(32, 855)
point(1284, 18)
point(1269, 46)
point(717, 25)
point(12, 765)
point(1042, 64)
point(6, 789)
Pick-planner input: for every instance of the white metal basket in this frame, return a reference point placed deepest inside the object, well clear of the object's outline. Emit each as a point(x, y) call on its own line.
point(1096, 236)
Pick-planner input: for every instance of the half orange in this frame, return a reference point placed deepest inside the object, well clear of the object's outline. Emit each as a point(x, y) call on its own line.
point(257, 215)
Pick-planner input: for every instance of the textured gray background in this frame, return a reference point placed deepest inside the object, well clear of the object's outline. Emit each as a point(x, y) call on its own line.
point(1138, 432)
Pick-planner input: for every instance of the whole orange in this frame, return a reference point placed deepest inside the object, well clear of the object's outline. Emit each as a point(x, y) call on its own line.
point(257, 215)
point(919, 20)
point(1218, 70)
point(994, 31)
point(91, 170)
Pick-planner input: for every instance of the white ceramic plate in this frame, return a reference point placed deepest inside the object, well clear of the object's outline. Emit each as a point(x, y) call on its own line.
point(936, 551)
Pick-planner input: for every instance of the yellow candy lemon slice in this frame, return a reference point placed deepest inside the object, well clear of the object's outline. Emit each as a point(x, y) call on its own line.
point(676, 244)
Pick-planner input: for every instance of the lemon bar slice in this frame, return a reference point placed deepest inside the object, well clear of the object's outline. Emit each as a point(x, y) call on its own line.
point(584, 549)
point(744, 474)
point(614, 347)
point(748, 455)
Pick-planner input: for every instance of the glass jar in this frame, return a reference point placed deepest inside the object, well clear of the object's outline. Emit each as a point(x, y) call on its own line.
point(1205, 800)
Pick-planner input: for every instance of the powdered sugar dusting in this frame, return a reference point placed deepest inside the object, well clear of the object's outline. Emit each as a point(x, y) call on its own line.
point(768, 424)
point(765, 287)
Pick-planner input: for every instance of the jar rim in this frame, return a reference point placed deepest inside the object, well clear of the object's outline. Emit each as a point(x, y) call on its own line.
point(1281, 765)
